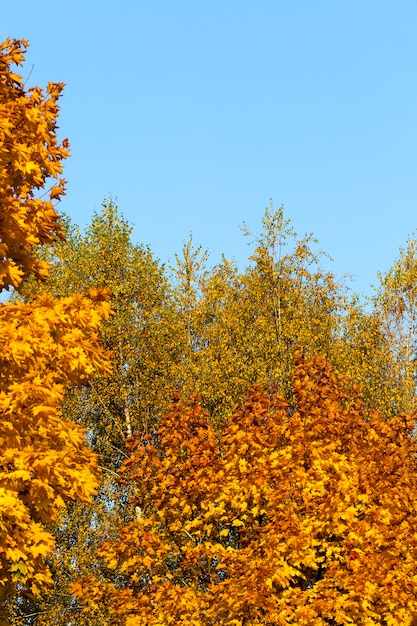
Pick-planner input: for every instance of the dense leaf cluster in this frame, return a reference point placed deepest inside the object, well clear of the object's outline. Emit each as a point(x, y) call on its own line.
point(301, 513)
point(46, 345)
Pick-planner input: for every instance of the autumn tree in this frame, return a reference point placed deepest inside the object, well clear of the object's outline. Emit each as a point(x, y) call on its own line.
point(146, 347)
point(46, 345)
point(246, 322)
point(299, 513)
point(141, 332)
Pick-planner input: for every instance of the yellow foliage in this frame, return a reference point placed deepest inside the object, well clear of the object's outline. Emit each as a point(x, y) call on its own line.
point(30, 154)
point(44, 461)
point(46, 345)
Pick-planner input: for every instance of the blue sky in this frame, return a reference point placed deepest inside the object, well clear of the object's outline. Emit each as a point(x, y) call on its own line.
point(193, 114)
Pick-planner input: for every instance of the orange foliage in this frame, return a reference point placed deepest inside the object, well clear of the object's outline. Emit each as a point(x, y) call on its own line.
point(301, 513)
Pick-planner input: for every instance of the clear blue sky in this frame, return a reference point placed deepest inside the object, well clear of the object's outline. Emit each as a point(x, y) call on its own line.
point(194, 113)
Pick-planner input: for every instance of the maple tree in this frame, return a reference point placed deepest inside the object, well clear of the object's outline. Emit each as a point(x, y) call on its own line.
point(46, 344)
point(302, 512)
